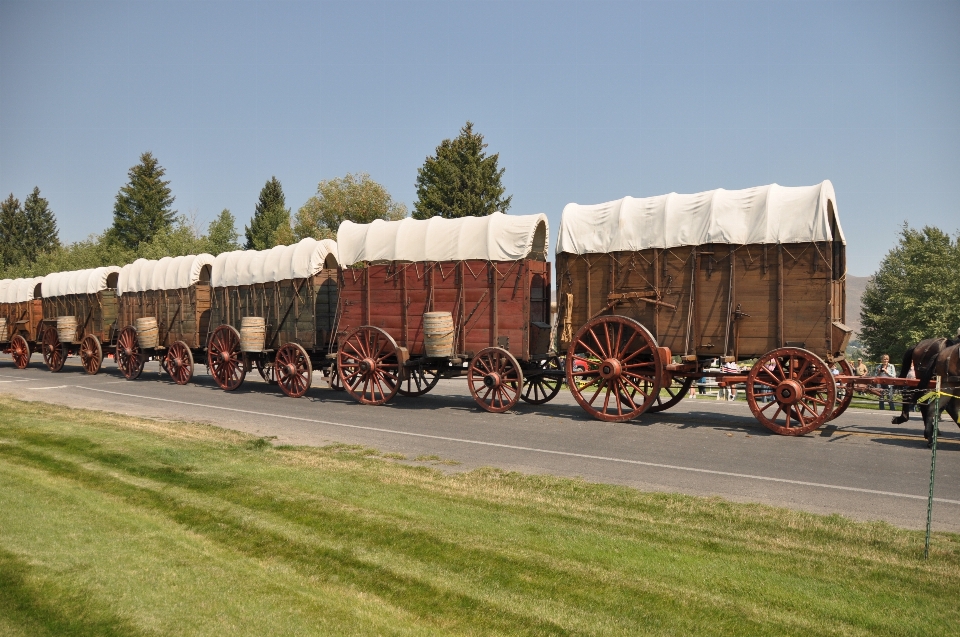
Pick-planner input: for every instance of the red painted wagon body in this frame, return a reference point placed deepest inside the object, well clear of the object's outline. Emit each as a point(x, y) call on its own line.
point(22, 310)
point(497, 294)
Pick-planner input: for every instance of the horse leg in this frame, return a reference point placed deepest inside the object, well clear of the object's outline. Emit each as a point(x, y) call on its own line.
point(926, 412)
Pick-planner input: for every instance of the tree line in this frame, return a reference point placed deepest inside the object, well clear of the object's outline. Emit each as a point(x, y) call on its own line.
point(459, 180)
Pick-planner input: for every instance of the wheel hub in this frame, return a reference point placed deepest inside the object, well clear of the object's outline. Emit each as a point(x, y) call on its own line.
point(367, 364)
point(789, 392)
point(492, 380)
point(610, 369)
point(291, 370)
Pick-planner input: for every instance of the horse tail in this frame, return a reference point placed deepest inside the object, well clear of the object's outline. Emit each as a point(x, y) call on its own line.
point(907, 362)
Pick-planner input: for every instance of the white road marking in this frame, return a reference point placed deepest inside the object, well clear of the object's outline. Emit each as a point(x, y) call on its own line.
point(536, 450)
point(57, 387)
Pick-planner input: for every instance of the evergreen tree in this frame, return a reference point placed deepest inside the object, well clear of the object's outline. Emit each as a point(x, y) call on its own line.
point(143, 206)
point(222, 234)
point(460, 180)
point(915, 293)
point(13, 231)
point(42, 235)
point(355, 198)
point(270, 225)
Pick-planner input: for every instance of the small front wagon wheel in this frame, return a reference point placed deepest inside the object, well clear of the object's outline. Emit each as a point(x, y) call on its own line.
point(54, 352)
point(91, 354)
point(791, 391)
point(495, 379)
point(293, 370)
point(369, 365)
point(20, 350)
point(179, 363)
point(227, 362)
point(130, 358)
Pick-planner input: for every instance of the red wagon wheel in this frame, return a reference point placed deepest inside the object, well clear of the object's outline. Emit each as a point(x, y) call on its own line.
point(91, 354)
point(419, 381)
point(495, 379)
point(538, 390)
point(293, 369)
point(676, 390)
point(129, 355)
point(226, 359)
point(368, 365)
point(54, 352)
point(20, 350)
point(624, 368)
point(844, 391)
point(791, 391)
point(179, 363)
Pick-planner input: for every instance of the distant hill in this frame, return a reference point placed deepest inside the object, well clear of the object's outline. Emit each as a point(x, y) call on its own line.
point(855, 287)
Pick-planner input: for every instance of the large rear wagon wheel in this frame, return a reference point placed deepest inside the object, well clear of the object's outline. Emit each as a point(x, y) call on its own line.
point(129, 355)
point(538, 390)
point(228, 365)
point(293, 370)
point(369, 366)
point(791, 391)
point(622, 379)
point(91, 354)
point(179, 363)
point(495, 379)
point(20, 351)
point(54, 352)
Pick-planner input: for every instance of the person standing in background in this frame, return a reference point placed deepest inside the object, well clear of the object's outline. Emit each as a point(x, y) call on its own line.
point(886, 369)
point(860, 369)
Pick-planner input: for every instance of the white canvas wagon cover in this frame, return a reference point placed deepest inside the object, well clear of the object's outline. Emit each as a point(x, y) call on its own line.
point(18, 290)
point(765, 214)
point(496, 237)
point(168, 273)
point(76, 282)
point(297, 261)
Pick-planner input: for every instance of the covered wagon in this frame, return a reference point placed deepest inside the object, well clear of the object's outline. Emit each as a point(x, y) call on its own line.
point(422, 299)
point(21, 313)
point(274, 310)
point(79, 315)
point(164, 311)
point(650, 290)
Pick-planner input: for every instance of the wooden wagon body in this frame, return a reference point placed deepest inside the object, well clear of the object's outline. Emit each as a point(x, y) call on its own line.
point(294, 289)
point(489, 273)
point(169, 299)
point(90, 296)
point(728, 275)
point(22, 310)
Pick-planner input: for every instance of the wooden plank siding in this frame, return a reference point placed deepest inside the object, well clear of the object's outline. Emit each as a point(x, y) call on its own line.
point(493, 303)
point(96, 313)
point(726, 299)
point(23, 318)
point(182, 314)
point(301, 311)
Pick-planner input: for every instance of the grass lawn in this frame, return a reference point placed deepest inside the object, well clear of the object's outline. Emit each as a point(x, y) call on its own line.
point(111, 525)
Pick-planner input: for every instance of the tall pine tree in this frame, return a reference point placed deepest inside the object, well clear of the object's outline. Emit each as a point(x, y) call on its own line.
point(143, 206)
point(13, 231)
point(460, 180)
point(42, 235)
point(270, 225)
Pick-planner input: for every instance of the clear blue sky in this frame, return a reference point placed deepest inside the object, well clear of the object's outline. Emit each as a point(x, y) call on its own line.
point(584, 101)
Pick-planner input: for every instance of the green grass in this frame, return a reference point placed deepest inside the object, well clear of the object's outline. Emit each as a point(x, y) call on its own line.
point(116, 526)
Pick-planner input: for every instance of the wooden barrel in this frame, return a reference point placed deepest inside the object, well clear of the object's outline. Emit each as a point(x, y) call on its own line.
point(4, 337)
point(67, 328)
point(147, 332)
point(438, 334)
point(253, 332)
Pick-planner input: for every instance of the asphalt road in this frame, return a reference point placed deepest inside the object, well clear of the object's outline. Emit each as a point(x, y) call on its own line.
point(860, 466)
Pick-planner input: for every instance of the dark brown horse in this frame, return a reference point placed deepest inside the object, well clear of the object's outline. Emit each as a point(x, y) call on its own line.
point(932, 357)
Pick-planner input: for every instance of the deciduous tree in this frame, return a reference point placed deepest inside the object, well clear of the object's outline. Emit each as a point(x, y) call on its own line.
point(460, 180)
point(915, 294)
point(143, 205)
point(355, 198)
point(222, 234)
